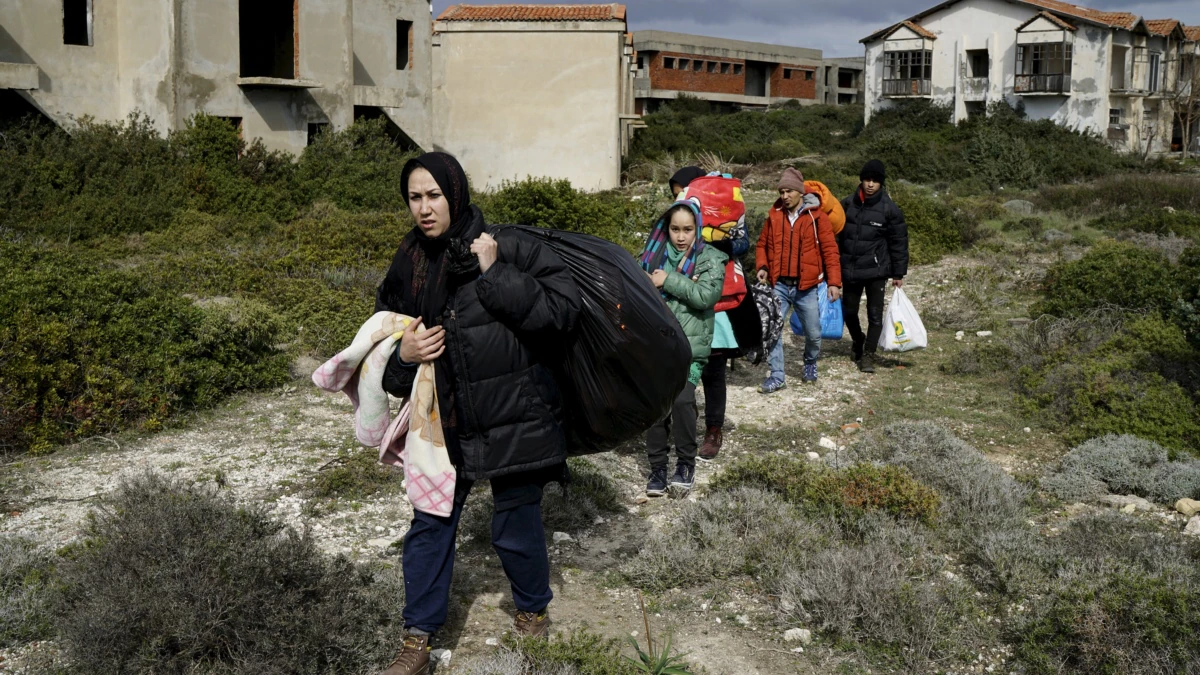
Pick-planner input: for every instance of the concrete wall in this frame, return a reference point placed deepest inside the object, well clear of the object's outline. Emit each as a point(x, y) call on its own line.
point(171, 59)
point(404, 95)
point(520, 99)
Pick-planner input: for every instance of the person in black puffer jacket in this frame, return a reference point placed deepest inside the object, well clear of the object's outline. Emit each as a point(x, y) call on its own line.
point(492, 310)
point(874, 247)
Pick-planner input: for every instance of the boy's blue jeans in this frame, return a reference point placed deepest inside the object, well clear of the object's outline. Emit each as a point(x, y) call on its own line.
point(805, 303)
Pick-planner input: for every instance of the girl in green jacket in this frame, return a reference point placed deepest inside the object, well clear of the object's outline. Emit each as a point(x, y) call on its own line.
point(691, 275)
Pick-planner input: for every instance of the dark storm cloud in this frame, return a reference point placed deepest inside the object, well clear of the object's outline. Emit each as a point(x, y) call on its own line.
point(834, 26)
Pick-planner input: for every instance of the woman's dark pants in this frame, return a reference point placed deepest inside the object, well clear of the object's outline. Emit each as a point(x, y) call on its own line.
point(713, 379)
point(517, 536)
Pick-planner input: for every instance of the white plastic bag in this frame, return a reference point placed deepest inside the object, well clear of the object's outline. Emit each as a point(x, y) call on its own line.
point(902, 327)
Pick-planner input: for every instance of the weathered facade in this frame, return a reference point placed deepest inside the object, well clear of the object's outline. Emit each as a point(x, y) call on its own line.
point(278, 69)
point(1109, 73)
point(738, 74)
point(534, 90)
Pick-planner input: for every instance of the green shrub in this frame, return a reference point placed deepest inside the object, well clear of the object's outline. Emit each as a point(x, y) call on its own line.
point(357, 168)
point(1124, 465)
point(934, 230)
point(1111, 273)
point(355, 475)
point(1158, 221)
point(737, 531)
point(28, 583)
point(1132, 195)
point(848, 493)
point(173, 578)
point(1001, 159)
point(1116, 619)
point(90, 350)
point(577, 653)
point(1136, 381)
point(974, 493)
point(543, 202)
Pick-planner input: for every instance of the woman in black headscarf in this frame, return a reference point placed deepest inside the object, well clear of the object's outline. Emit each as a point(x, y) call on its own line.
point(490, 309)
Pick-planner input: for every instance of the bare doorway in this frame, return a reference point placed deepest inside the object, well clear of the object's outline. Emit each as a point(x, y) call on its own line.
point(268, 38)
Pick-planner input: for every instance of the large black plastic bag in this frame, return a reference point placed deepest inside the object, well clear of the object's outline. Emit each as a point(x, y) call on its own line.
point(628, 358)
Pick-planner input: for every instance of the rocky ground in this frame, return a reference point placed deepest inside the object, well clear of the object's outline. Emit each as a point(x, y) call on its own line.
point(265, 448)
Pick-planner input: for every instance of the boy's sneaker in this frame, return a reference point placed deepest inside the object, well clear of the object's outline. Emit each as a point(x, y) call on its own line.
point(772, 385)
point(867, 363)
point(657, 486)
point(712, 444)
point(810, 372)
point(684, 478)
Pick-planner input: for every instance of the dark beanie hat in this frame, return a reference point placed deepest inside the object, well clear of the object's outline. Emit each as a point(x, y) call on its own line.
point(873, 170)
point(686, 175)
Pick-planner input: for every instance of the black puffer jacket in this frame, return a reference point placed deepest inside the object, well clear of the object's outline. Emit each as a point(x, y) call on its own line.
point(874, 242)
point(500, 329)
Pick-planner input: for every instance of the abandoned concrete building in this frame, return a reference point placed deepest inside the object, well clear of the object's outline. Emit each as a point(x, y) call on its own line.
point(1113, 74)
point(534, 90)
point(733, 74)
point(279, 70)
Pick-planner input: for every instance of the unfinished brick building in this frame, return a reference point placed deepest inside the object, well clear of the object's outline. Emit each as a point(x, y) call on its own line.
point(736, 74)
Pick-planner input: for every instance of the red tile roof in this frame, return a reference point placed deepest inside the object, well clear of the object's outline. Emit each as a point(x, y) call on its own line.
point(1162, 27)
point(1114, 19)
point(918, 29)
point(609, 12)
point(1192, 33)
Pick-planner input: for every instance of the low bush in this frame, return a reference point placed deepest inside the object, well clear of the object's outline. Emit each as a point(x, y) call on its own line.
point(1135, 381)
point(1124, 465)
point(577, 653)
point(934, 230)
point(28, 586)
point(175, 578)
point(89, 350)
point(355, 475)
point(845, 494)
point(543, 202)
point(1158, 221)
point(1125, 195)
point(1115, 619)
point(974, 493)
point(740, 531)
point(1111, 273)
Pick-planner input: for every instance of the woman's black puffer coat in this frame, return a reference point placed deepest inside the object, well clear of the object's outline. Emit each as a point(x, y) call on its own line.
point(500, 329)
point(874, 242)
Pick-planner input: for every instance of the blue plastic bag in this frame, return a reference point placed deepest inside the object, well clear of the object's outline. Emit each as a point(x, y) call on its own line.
point(831, 316)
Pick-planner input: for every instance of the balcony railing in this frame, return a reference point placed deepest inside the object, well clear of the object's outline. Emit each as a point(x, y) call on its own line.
point(1043, 84)
point(907, 87)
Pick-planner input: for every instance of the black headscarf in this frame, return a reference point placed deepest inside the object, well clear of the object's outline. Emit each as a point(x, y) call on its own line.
point(438, 264)
point(686, 175)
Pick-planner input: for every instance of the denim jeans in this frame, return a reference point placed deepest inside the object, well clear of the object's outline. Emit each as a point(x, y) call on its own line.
point(804, 302)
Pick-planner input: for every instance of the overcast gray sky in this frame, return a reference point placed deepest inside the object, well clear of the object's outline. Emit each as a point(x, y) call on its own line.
point(834, 26)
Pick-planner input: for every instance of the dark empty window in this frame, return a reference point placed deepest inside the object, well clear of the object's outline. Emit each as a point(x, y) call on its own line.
point(315, 129)
point(978, 62)
point(683, 64)
point(712, 66)
point(668, 63)
point(403, 44)
point(724, 68)
point(77, 22)
point(737, 69)
point(787, 73)
point(267, 36)
point(808, 74)
point(697, 66)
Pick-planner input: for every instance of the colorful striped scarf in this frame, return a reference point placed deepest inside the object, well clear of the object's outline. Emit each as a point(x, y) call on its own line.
point(658, 243)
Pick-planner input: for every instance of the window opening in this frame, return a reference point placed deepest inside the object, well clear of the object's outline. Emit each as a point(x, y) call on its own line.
point(724, 68)
point(1114, 116)
point(668, 63)
point(978, 62)
point(787, 73)
point(684, 63)
point(315, 129)
point(268, 38)
point(712, 66)
point(808, 75)
point(404, 32)
point(1155, 71)
point(697, 66)
point(77, 22)
point(738, 69)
